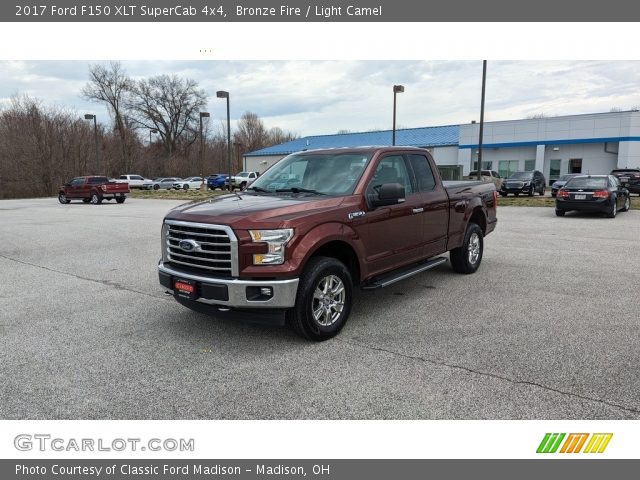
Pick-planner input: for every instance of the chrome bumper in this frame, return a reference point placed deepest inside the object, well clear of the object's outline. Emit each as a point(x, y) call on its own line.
point(284, 291)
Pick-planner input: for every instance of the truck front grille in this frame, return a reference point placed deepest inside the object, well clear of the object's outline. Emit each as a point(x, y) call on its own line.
point(209, 248)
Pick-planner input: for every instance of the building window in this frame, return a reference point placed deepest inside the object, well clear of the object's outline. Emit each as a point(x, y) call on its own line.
point(575, 165)
point(529, 165)
point(554, 170)
point(507, 167)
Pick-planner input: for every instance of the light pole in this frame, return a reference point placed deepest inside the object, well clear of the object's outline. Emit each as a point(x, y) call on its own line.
point(89, 116)
point(223, 94)
point(484, 81)
point(202, 115)
point(396, 89)
point(154, 131)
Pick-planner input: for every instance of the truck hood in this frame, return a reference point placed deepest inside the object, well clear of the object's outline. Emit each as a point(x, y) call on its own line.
point(230, 209)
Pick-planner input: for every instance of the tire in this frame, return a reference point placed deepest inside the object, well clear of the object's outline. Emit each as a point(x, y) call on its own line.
point(627, 204)
point(542, 191)
point(503, 194)
point(466, 258)
point(614, 208)
point(86, 200)
point(120, 199)
point(532, 190)
point(560, 213)
point(156, 187)
point(243, 185)
point(62, 198)
point(185, 187)
point(516, 194)
point(96, 199)
point(317, 316)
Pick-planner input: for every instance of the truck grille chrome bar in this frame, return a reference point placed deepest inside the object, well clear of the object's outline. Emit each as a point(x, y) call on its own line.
point(216, 247)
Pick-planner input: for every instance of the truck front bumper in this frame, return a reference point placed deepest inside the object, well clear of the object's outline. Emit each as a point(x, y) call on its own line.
point(234, 292)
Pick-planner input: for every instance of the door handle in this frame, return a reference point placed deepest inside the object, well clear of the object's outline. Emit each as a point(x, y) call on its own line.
point(460, 206)
point(417, 210)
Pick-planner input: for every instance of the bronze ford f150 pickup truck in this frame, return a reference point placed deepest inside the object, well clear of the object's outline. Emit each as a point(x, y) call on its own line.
point(315, 226)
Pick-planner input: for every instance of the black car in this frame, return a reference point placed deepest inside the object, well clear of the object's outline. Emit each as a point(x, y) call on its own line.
point(629, 178)
point(524, 182)
point(559, 183)
point(593, 193)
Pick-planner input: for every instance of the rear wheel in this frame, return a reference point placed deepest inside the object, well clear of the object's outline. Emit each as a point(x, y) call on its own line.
point(186, 187)
point(560, 213)
point(323, 301)
point(517, 194)
point(467, 257)
point(614, 208)
point(62, 198)
point(86, 200)
point(96, 199)
point(504, 194)
point(542, 191)
point(156, 186)
point(120, 199)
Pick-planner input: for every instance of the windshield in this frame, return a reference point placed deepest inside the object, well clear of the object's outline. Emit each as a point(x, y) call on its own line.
point(521, 176)
point(587, 182)
point(322, 173)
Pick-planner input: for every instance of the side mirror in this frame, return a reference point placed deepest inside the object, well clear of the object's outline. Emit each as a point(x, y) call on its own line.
point(67, 184)
point(388, 194)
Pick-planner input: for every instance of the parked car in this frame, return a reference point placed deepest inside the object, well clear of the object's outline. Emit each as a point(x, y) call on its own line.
point(243, 179)
point(134, 181)
point(187, 183)
point(560, 182)
point(487, 176)
point(92, 189)
point(217, 180)
point(593, 193)
point(629, 178)
point(525, 183)
point(163, 182)
point(355, 218)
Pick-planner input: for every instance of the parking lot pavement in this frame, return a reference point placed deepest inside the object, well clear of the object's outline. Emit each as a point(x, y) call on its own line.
point(546, 329)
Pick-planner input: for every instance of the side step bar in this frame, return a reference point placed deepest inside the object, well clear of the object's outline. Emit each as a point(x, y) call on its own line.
point(397, 276)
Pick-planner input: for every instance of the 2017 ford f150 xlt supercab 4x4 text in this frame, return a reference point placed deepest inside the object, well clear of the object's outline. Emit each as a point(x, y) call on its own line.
point(317, 225)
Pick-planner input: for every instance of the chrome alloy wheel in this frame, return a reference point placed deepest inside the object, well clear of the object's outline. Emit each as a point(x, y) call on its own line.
point(328, 300)
point(474, 248)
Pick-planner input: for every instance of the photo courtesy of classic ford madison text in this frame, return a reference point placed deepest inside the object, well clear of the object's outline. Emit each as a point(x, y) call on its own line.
point(319, 239)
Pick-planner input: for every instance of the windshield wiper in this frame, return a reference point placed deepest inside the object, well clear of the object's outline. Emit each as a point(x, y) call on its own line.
point(298, 190)
point(259, 189)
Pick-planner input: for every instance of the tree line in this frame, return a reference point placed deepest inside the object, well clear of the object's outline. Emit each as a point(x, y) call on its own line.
point(154, 130)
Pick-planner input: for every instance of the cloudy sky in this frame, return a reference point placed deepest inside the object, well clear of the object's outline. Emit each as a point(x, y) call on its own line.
point(323, 97)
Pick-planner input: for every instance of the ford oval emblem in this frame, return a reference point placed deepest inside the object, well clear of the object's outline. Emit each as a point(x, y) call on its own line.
point(189, 245)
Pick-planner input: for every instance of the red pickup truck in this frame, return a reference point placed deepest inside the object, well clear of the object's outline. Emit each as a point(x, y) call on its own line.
point(93, 189)
point(315, 226)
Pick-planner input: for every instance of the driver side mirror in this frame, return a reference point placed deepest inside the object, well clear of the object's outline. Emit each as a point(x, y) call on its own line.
point(388, 194)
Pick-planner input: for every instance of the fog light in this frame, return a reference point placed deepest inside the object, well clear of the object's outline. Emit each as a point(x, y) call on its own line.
point(259, 294)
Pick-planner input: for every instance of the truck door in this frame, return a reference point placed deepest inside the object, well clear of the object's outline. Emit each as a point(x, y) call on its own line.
point(434, 202)
point(75, 188)
point(394, 232)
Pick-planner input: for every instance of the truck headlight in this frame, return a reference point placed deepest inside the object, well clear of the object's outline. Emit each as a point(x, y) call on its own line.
point(276, 240)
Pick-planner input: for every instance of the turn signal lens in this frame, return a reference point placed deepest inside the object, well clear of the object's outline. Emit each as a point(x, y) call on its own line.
point(601, 194)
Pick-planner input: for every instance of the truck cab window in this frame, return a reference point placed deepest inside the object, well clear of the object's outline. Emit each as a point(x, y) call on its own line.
point(391, 170)
point(425, 182)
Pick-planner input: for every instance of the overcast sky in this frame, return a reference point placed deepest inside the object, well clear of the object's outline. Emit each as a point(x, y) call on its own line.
point(322, 97)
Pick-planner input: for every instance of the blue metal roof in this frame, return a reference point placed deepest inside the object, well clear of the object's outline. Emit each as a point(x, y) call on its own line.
point(408, 137)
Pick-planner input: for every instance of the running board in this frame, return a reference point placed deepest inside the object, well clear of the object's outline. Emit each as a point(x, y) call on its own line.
point(397, 276)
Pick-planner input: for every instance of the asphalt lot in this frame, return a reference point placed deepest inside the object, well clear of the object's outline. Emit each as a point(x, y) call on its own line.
point(548, 328)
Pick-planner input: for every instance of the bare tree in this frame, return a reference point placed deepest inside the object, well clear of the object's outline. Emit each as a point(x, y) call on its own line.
point(251, 132)
point(277, 136)
point(111, 85)
point(169, 104)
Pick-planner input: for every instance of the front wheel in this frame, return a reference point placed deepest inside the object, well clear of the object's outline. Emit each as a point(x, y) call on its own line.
point(467, 257)
point(532, 191)
point(627, 204)
point(185, 187)
point(96, 199)
point(62, 198)
point(156, 187)
point(324, 298)
point(503, 194)
point(560, 213)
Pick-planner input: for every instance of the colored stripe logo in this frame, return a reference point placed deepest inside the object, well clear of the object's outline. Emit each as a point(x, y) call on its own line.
point(574, 443)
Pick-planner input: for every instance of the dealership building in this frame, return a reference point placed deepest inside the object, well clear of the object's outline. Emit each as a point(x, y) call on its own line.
point(591, 144)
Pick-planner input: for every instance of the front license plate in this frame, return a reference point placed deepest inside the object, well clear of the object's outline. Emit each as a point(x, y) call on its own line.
point(185, 289)
point(580, 197)
point(624, 179)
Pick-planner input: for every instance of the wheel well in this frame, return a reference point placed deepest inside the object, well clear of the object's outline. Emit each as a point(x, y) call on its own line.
point(478, 218)
point(345, 253)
